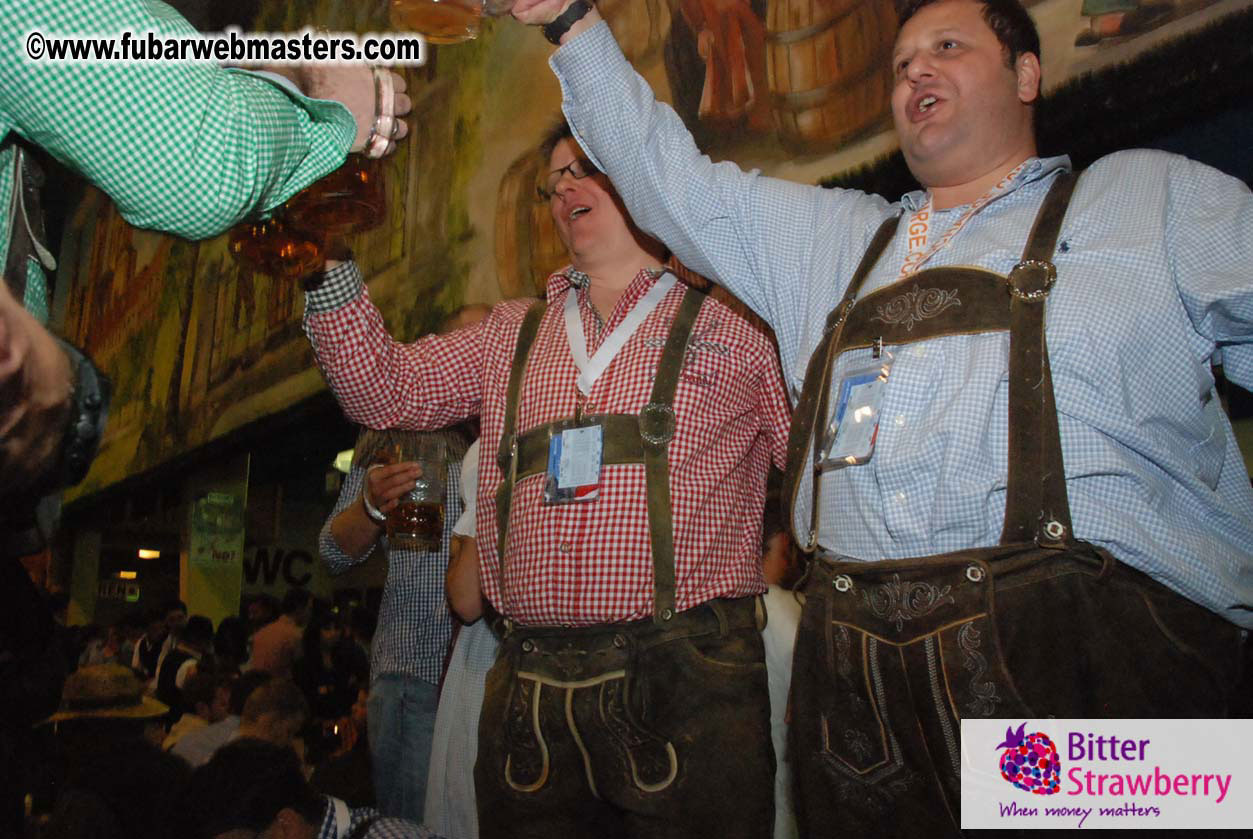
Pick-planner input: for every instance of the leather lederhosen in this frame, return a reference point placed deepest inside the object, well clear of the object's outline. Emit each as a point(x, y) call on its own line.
point(891, 655)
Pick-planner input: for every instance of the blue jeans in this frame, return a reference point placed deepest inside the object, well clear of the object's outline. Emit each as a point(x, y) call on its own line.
point(401, 724)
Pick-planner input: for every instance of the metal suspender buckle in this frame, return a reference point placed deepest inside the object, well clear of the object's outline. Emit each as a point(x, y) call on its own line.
point(1032, 279)
point(657, 423)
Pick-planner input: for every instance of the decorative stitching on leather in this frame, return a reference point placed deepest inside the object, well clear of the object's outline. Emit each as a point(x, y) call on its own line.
point(843, 662)
point(842, 642)
point(899, 601)
point(858, 743)
point(917, 304)
point(942, 709)
point(869, 792)
point(578, 741)
point(522, 713)
point(636, 741)
point(984, 697)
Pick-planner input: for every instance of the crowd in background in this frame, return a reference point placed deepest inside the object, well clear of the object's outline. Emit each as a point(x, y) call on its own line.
point(157, 693)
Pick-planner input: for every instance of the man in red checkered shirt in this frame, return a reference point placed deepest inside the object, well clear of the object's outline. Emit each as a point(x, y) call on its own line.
point(627, 431)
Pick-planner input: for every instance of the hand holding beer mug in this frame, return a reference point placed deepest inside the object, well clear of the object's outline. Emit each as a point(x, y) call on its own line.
point(409, 489)
point(445, 21)
point(293, 243)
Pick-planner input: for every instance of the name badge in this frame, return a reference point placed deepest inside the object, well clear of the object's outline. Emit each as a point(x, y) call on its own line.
point(850, 438)
point(575, 457)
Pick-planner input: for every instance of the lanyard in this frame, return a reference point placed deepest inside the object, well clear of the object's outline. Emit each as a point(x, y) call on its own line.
point(343, 818)
point(919, 228)
point(590, 369)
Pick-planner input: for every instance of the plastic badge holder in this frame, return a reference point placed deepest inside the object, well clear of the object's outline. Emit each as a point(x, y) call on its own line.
point(850, 438)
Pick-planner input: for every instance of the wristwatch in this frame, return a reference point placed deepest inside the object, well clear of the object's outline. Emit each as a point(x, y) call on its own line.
point(561, 25)
point(89, 408)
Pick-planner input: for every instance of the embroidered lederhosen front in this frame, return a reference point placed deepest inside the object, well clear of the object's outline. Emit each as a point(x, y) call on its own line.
point(891, 655)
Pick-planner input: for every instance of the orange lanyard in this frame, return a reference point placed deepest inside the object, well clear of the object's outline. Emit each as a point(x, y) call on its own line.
point(919, 228)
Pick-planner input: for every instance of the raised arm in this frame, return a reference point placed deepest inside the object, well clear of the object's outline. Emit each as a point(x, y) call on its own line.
point(751, 234)
point(379, 382)
point(190, 148)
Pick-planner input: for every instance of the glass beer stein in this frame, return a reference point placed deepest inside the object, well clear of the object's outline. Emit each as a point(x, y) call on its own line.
point(417, 522)
point(291, 244)
point(445, 21)
point(349, 200)
point(272, 247)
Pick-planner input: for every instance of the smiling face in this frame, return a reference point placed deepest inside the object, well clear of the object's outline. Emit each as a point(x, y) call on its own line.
point(960, 111)
point(590, 218)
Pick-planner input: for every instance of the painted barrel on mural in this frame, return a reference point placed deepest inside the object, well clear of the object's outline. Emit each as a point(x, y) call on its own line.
point(828, 67)
point(528, 248)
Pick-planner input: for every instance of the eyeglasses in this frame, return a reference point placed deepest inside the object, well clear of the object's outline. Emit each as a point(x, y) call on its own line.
point(579, 168)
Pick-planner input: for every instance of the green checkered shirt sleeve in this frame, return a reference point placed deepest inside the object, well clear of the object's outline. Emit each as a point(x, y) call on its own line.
point(188, 148)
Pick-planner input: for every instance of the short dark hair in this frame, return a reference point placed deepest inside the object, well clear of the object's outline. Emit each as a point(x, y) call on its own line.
point(279, 697)
point(201, 687)
point(560, 130)
point(1010, 21)
point(243, 687)
point(173, 606)
point(295, 599)
point(245, 785)
point(199, 630)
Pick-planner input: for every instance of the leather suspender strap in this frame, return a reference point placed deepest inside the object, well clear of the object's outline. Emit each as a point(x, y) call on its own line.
point(656, 429)
point(1037, 509)
point(628, 439)
point(622, 443)
point(1036, 505)
point(816, 391)
point(507, 456)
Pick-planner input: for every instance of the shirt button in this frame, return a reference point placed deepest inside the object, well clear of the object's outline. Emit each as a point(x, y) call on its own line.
point(900, 496)
point(564, 547)
point(900, 420)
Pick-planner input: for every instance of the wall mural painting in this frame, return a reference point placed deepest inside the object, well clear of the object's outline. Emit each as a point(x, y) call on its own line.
point(1105, 21)
point(199, 345)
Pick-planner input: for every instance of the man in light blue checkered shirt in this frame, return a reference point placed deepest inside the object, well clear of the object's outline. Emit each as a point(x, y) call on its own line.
point(415, 625)
point(1153, 287)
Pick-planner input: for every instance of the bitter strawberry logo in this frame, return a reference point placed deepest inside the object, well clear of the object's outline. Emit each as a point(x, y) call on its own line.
point(1030, 762)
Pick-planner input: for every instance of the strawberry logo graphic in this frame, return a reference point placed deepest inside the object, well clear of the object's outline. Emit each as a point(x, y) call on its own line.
point(1030, 762)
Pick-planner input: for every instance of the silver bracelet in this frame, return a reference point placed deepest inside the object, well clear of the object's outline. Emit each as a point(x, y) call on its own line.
point(370, 509)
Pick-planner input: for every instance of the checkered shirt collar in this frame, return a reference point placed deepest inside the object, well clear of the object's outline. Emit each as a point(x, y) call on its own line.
point(1035, 169)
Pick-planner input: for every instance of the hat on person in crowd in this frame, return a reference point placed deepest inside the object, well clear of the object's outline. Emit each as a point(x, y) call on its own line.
point(101, 691)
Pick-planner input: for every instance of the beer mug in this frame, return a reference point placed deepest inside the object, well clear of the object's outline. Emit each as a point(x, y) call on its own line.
point(292, 243)
point(417, 522)
point(274, 248)
point(445, 21)
point(349, 200)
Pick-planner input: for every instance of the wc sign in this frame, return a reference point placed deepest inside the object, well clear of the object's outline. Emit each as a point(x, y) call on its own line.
point(268, 565)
